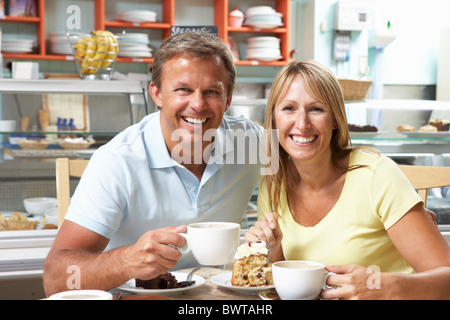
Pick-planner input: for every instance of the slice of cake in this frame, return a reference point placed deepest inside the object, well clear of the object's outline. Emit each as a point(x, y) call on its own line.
point(163, 281)
point(250, 266)
point(441, 125)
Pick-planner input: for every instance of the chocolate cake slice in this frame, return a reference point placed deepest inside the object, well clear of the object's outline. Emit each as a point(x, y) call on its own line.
point(163, 281)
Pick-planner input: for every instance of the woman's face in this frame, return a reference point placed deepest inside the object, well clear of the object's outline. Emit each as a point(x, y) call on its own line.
point(305, 125)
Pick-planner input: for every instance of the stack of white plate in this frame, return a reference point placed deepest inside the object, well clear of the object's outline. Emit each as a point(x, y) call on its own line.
point(134, 45)
point(137, 16)
point(59, 44)
point(263, 49)
point(17, 45)
point(263, 17)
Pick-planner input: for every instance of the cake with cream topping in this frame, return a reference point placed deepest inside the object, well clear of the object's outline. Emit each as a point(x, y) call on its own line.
point(250, 267)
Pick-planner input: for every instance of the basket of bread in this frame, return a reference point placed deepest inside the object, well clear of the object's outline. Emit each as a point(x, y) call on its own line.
point(75, 143)
point(32, 144)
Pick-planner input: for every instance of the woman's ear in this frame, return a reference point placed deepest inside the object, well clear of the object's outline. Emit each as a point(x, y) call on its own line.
point(335, 124)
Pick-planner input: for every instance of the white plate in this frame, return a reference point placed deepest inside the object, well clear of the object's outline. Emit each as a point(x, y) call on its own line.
point(263, 58)
point(135, 48)
point(264, 25)
point(148, 12)
point(130, 286)
point(16, 51)
point(134, 35)
point(259, 10)
point(11, 45)
point(137, 16)
point(223, 280)
point(259, 52)
point(133, 41)
point(138, 13)
point(136, 19)
point(137, 54)
point(426, 134)
point(17, 41)
point(264, 39)
point(264, 46)
point(363, 135)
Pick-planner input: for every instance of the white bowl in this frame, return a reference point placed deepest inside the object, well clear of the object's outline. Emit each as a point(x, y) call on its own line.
point(7, 125)
point(51, 215)
point(272, 53)
point(263, 39)
point(259, 10)
point(38, 206)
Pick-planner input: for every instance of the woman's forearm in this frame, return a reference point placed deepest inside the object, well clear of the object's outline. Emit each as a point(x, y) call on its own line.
point(427, 285)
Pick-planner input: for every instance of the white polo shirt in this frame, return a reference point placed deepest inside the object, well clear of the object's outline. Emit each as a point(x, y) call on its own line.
point(132, 185)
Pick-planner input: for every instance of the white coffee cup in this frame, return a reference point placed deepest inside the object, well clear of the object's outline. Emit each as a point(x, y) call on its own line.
point(82, 295)
point(212, 243)
point(299, 280)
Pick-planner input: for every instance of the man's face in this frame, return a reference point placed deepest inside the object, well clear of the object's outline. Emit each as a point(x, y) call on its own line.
point(193, 98)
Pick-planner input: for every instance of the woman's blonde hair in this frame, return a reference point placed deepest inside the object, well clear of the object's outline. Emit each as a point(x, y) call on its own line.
point(323, 86)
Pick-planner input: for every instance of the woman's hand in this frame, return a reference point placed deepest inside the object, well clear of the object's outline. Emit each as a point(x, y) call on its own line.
point(354, 282)
point(267, 230)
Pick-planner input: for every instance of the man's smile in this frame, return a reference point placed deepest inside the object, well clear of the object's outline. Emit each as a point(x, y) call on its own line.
point(195, 121)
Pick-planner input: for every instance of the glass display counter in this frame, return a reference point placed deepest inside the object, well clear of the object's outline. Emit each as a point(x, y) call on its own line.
point(32, 174)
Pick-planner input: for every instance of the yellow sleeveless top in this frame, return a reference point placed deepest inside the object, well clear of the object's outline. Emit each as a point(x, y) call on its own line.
point(372, 200)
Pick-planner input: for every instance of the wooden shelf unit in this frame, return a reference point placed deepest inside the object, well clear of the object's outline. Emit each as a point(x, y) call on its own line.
point(221, 11)
point(168, 14)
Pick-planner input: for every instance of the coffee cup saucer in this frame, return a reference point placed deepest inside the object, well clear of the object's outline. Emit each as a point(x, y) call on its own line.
point(269, 294)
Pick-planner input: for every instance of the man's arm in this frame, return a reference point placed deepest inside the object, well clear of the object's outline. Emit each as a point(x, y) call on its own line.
point(77, 260)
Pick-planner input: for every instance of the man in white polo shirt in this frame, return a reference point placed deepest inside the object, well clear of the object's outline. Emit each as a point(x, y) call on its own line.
point(177, 166)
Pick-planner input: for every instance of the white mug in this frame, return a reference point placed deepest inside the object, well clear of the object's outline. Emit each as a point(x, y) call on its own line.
point(299, 280)
point(212, 243)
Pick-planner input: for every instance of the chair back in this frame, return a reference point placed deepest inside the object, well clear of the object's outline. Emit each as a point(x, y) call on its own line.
point(65, 169)
point(423, 178)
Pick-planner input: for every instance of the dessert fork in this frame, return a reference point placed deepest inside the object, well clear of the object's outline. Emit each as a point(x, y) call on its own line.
point(188, 282)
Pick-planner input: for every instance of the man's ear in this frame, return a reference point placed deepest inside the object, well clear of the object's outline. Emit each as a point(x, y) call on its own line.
point(155, 94)
point(230, 97)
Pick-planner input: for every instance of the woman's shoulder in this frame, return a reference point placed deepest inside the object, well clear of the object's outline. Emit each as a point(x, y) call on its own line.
point(372, 159)
point(366, 156)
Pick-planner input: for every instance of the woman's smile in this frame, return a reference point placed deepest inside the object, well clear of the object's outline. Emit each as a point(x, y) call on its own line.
point(302, 139)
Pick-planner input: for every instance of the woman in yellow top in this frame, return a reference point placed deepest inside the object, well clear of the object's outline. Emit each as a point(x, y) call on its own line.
point(349, 208)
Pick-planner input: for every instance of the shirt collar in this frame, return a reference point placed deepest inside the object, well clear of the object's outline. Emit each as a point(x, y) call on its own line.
point(158, 155)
